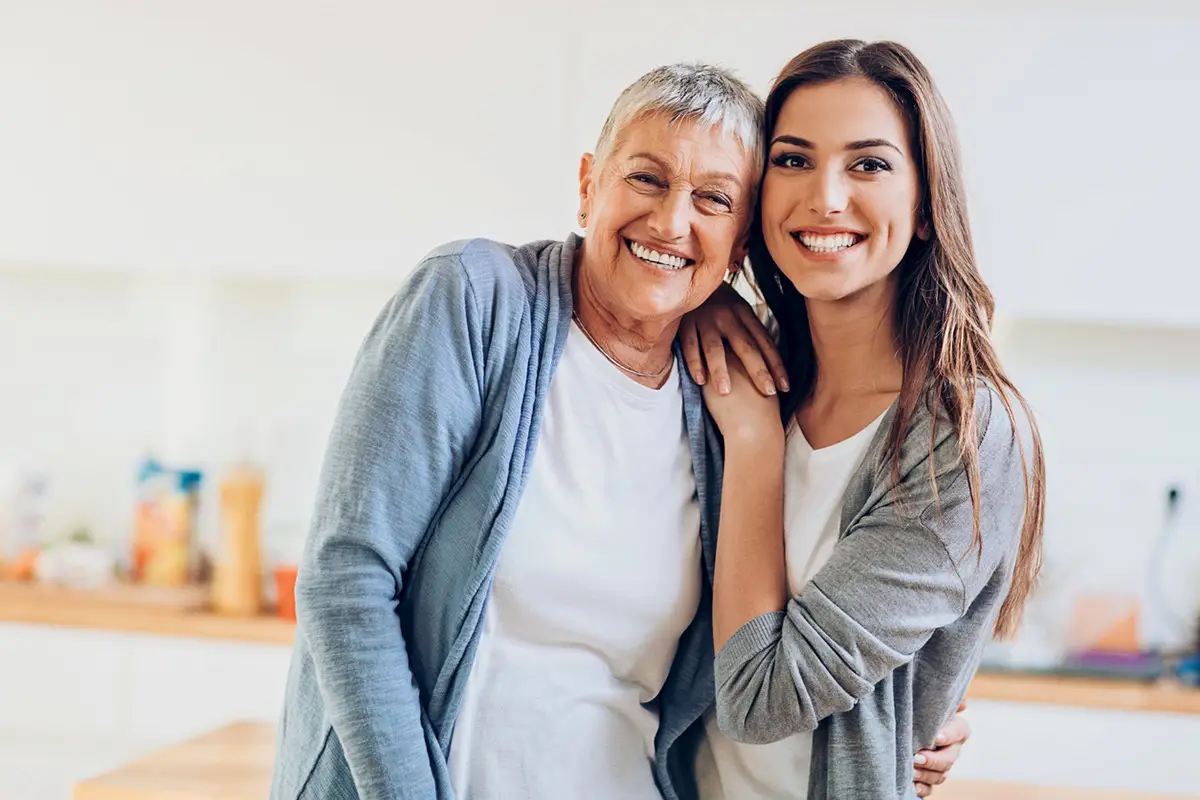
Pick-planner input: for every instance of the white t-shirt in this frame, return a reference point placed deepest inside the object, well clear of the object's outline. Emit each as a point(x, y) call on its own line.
point(597, 580)
point(815, 483)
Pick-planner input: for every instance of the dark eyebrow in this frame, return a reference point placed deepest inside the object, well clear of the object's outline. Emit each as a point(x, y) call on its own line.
point(793, 140)
point(711, 176)
point(864, 144)
point(861, 144)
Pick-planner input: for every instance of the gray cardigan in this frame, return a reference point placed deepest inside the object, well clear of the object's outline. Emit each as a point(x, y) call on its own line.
point(875, 653)
point(425, 467)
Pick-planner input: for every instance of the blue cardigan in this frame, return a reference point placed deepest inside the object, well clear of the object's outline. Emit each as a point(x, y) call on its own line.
point(424, 470)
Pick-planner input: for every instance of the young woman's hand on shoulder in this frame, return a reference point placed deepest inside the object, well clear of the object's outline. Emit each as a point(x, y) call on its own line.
point(727, 322)
point(746, 417)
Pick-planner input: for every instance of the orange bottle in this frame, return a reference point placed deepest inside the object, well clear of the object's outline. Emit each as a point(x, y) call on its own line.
point(237, 577)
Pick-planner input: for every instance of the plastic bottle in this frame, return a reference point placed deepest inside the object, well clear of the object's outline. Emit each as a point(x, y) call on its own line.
point(237, 576)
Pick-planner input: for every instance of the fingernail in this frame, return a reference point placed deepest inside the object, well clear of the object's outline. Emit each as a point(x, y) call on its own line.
point(769, 387)
point(723, 386)
point(700, 378)
point(941, 738)
point(919, 759)
point(783, 384)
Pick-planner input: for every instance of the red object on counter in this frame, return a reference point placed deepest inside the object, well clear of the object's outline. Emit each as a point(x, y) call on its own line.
point(285, 591)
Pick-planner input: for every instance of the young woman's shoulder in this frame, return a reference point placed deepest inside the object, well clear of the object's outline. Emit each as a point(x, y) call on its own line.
point(1000, 421)
point(1004, 427)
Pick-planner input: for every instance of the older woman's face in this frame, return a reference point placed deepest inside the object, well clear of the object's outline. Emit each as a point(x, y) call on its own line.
point(667, 212)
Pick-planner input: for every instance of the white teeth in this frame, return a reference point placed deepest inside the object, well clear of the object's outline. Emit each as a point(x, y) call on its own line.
point(828, 244)
point(655, 257)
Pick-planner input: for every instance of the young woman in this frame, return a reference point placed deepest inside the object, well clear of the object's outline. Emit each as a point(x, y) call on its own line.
point(884, 519)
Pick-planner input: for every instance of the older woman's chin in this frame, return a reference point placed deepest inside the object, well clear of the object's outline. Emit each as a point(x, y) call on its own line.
point(667, 303)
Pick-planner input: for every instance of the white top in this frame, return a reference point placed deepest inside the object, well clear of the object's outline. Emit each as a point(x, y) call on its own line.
point(597, 580)
point(815, 483)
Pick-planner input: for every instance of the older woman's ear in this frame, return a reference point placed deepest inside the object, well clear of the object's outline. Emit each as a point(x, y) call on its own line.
point(586, 162)
point(741, 249)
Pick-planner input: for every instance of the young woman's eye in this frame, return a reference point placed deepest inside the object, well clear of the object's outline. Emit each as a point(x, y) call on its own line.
point(872, 165)
point(790, 161)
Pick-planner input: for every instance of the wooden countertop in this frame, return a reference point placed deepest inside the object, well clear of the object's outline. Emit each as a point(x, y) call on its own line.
point(183, 613)
point(234, 763)
point(166, 612)
point(1085, 692)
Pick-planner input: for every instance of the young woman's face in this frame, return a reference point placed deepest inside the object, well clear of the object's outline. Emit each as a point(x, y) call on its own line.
point(841, 191)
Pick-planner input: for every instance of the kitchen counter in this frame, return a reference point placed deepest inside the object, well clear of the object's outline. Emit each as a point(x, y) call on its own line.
point(135, 609)
point(1107, 693)
point(234, 763)
point(184, 613)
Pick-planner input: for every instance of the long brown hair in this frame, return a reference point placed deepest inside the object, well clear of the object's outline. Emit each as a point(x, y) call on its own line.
point(943, 313)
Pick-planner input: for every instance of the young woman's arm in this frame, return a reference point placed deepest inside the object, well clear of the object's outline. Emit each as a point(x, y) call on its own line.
point(904, 570)
point(750, 577)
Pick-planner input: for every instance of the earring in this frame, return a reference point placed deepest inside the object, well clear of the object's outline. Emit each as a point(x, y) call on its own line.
point(583, 216)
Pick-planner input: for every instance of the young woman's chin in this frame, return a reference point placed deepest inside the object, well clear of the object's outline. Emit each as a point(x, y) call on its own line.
point(826, 288)
point(829, 284)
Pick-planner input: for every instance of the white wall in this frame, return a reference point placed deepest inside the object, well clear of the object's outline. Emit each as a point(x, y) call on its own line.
point(345, 138)
point(204, 204)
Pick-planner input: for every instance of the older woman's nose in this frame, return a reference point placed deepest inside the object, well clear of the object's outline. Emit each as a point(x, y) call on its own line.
point(829, 192)
point(672, 218)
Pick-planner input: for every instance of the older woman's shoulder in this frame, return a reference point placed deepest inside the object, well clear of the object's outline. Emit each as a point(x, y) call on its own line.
point(494, 269)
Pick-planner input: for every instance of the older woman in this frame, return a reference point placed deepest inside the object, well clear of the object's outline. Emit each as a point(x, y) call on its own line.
point(499, 594)
point(505, 590)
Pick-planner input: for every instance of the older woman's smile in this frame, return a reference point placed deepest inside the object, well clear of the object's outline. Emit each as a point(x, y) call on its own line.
point(664, 211)
point(659, 257)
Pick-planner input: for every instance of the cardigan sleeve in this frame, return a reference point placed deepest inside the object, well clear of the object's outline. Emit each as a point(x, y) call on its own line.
point(405, 426)
point(906, 568)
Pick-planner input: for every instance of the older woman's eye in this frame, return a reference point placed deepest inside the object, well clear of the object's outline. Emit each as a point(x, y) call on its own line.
point(872, 165)
point(790, 161)
point(647, 179)
point(718, 200)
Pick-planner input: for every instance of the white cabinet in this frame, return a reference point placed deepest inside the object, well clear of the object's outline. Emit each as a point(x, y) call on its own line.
point(179, 688)
point(75, 703)
point(56, 681)
point(1082, 747)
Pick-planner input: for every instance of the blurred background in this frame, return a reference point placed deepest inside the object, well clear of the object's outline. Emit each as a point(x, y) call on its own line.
point(204, 204)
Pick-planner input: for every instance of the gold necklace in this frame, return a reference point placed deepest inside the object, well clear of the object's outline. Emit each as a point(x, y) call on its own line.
point(613, 360)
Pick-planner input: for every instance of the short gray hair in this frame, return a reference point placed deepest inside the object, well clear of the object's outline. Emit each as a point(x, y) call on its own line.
point(703, 93)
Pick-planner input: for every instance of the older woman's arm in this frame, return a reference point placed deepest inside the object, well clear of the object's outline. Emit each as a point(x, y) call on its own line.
point(897, 577)
point(405, 425)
